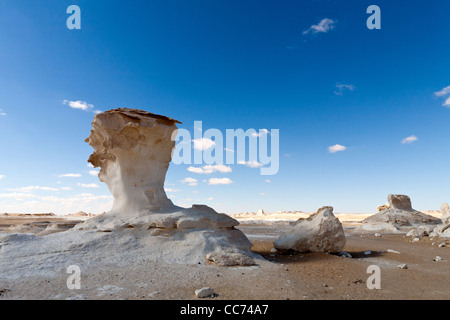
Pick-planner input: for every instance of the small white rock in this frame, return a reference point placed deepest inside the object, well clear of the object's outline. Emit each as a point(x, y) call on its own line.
point(204, 292)
point(368, 253)
point(273, 250)
point(392, 251)
point(415, 240)
point(402, 266)
point(438, 258)
point(441, 245)
point(377, 234)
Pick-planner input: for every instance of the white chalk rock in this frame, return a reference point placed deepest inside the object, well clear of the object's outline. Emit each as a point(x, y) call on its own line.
point(133, 148)
point(398, 217)
point(321, 232)
point(204, 292)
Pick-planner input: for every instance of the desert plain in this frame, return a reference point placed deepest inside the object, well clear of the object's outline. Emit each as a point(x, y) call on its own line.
point(275, 276)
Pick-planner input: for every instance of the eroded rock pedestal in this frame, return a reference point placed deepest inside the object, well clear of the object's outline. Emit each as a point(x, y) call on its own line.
point(133, 149)
point(398, 216)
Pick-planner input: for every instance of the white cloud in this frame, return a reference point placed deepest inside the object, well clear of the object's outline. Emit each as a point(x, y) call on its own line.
point(228, 150)
point(88, 185)
point(203, 144)
point(445, 91)
point(251, 164)
point(262, 194)
point(70, 175)
point(216, 181)
point(342, 87)
point(93, 172)
point(208, 169)
point(66, 188)
point(2, 176)
point(90, 165)
point(323, 26)
point(262, 132)
point(19, 196)
point(190, 181)
point(336, 148)
point(210, 199)
point(409, 139)
point(81, 105)
point(171, 190)
point(447, 103)
point(2, 113)
point(268, 181)
point(33, 188)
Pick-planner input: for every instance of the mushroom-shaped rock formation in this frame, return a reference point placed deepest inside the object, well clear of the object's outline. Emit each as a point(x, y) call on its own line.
point(134, 148)
point(398, 216)
point(321, 232)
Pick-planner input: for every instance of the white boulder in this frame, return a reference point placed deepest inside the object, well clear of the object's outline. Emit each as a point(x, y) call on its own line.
point(321, 232)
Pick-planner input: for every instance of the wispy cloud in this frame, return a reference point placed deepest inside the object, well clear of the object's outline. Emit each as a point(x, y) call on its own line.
point(2, 176)
point(336, 148)
point(190, 181)
point(261, 133)
point(340, 88)
point(32, 188)
point(217, 181)
point(208, 169)
point(81, 105)
point(268, 181)
point(409, 139)
point(203, 144)
point(323, 26)
point(70, 175)
point(444, 92)
point(251, 164)
point(2, 113)
point(93, 172)
point(88, 185)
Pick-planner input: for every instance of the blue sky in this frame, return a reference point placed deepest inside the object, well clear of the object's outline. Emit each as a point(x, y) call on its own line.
point(234, 64)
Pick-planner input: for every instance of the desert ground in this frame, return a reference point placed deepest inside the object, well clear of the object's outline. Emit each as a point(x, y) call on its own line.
point(276, 276)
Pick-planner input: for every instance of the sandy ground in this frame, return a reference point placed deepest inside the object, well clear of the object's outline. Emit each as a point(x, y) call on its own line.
point(276, 277)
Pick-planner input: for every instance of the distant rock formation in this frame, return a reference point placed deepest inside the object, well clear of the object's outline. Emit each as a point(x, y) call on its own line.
point(260, 212)
point(445, 211)
point(321, 232)
point(397, 216)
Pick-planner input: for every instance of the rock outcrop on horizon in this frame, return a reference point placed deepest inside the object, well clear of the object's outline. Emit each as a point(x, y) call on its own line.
point(321, 232)
point(133, 149)
point(398, 216)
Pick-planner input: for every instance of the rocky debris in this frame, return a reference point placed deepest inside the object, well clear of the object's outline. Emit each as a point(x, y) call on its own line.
point(420, 232)
point(438, 258)
point(321, 232)
point(382, 208)
point(403, 266)
point(392, 251)
point(368, 253)
point(398, 217)
point(442, 245)
point(345, 254)
point(204, 292)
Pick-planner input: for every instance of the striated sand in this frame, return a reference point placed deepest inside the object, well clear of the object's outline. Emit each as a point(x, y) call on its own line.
point(276, 277)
